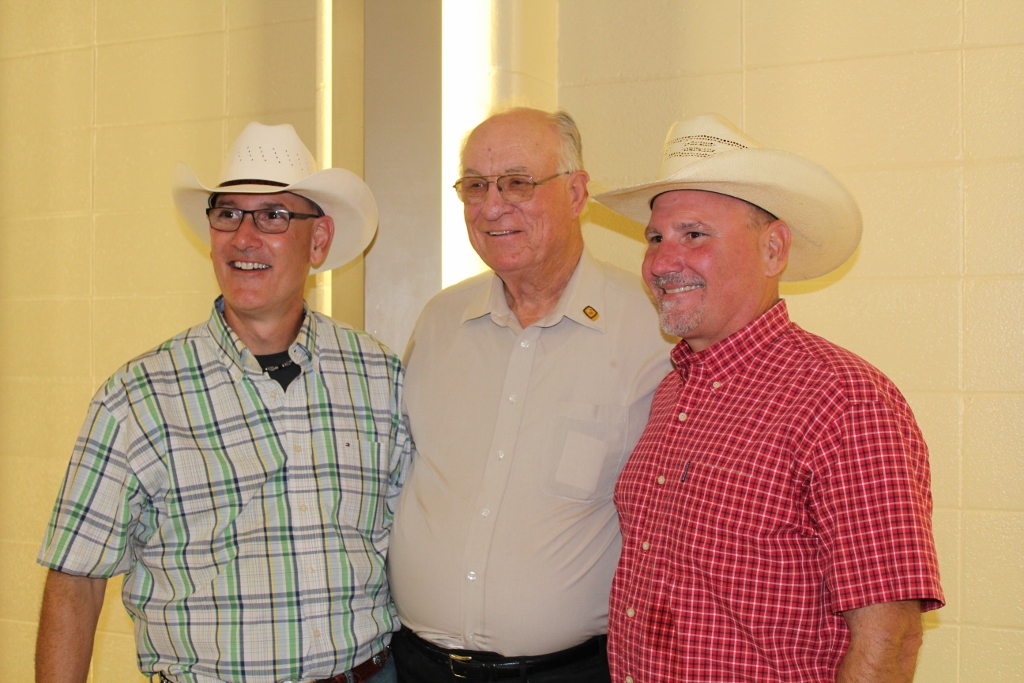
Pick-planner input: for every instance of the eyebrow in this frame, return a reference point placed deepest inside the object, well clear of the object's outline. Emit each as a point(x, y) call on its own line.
point(682, 226)
point(511, 170)
point(267, 204)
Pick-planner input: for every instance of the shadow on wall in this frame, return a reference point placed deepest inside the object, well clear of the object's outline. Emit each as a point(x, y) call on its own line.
point(819, 283)
point(601, 215)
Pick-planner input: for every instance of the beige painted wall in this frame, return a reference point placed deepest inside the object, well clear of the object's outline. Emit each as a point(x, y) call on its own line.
point(98, 99)
point(916, 105)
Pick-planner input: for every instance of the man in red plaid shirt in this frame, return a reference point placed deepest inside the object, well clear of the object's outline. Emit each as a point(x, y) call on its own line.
point(776, 513)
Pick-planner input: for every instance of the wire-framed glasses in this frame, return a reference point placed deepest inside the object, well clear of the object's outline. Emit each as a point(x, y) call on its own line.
point(271, 221)
point(514, 187)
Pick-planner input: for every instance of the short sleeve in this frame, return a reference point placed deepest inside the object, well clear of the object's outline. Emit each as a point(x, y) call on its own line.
point(872, 502)
point(90, 527)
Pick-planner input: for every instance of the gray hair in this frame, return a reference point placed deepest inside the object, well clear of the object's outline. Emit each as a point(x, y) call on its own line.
point(570, 149)
point(757, 218)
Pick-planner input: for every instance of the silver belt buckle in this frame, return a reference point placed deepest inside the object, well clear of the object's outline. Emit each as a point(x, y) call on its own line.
point(457, 658)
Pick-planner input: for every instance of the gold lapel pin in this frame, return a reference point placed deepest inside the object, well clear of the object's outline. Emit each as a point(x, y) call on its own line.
point(591, 313)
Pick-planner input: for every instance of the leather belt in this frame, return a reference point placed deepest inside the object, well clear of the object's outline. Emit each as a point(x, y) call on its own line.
point(489, 666)
point(364, 672)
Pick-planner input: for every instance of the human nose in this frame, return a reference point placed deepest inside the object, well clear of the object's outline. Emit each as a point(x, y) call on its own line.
point(247, 233)
point(663, 258)
point(494, 205)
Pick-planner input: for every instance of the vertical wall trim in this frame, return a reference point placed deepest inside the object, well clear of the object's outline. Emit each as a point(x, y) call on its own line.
point(319, 296)
point(403, 162)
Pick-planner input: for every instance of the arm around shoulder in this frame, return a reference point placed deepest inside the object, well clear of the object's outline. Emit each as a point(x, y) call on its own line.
point(884, 640)
point(67, 625)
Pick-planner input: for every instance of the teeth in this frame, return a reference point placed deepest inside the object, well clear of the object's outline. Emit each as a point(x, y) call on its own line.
point(249, 265)
point(498, 234)
point(689, 288)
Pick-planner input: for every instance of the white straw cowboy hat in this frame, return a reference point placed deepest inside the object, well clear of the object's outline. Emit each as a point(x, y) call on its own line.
point(709, 153)
point(267, 159)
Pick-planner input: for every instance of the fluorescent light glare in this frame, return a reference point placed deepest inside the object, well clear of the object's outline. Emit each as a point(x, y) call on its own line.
point(466, 98)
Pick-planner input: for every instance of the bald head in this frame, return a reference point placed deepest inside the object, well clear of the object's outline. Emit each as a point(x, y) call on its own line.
point(566, 135)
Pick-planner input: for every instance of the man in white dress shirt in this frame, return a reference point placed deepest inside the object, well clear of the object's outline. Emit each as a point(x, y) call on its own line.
point(527, 388)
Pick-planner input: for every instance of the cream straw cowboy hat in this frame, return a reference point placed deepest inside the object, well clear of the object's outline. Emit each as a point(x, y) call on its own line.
point(709, 153)
point(266, 159)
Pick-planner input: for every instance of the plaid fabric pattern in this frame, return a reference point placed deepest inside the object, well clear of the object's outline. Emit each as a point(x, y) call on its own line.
point(251, 523)
point(780, 481)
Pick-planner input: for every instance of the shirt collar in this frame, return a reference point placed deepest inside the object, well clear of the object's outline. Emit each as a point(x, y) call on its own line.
point(738, 349)
point(582, 301)
point(302, 350)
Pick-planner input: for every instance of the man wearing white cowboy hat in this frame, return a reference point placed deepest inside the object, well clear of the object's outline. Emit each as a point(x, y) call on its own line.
point(242, 475)
point(776, 512)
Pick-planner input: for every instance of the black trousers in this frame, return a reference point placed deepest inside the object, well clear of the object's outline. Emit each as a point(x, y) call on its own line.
point(414, 666)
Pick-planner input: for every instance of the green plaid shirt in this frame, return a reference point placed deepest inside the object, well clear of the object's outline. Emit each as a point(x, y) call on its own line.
point(251, 523)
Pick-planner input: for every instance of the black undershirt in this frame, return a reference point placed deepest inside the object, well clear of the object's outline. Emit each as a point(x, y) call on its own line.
point(286, 369)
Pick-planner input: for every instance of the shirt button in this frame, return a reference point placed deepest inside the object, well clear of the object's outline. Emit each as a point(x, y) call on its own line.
point(316, 633)
point(629, 679)
point(630, 612)
point(311, 570)
point(485, 512)
point(682, 417)
point(512, 398)
point(471, 576)
point(661, 480)
point(501, 454)
point(298, 448)
point(716, 384)
point(303, 507)
point(645, 545)
point(525, 344)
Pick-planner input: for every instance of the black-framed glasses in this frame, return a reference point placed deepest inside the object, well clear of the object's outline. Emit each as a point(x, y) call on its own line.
point(271, 221)
point(514, 187)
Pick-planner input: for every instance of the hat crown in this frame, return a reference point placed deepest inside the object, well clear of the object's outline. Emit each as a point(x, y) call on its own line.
point(267, 153)
point(699, 138)
point(709, 154)
point(269, 159)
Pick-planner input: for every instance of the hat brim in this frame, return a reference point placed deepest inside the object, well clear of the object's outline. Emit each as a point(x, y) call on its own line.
point(340, 193)
point(822, 215)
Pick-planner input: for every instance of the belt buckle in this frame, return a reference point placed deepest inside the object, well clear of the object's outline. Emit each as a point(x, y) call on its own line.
point(457, 658)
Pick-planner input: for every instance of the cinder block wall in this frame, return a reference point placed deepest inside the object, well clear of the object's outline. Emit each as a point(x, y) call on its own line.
point(99, 99)
point(916, 105)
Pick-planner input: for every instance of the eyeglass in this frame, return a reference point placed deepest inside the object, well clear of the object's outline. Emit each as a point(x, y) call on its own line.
point(272, 221)
point(514, 187)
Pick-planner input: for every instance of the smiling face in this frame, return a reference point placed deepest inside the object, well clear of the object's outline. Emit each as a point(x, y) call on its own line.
point(530, 239)
point(261, 276)
point(710, 270)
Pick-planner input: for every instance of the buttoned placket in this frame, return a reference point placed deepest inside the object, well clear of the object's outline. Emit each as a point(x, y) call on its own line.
point(495, 477)
point(289, 408)
point(665, 477)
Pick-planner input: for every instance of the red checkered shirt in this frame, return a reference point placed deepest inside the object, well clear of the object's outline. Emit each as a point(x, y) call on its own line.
point(781, 480)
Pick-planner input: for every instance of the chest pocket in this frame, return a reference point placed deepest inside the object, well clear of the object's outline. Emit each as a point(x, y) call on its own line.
point(593, 440)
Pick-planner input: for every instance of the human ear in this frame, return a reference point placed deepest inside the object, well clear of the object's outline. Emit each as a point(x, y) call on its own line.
point(578, 187)
point(320, 244)
point(775, 241)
